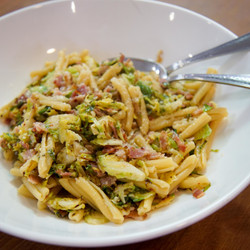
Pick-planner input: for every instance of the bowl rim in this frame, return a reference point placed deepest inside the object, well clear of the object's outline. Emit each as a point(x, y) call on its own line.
point(139, 236)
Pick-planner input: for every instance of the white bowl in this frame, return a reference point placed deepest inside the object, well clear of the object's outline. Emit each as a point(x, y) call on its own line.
point(139, 29)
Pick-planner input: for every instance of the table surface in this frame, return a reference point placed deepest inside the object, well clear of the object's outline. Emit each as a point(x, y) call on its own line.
point(228, 228)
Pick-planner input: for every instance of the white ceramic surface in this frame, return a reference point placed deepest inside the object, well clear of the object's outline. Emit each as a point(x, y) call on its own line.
point(139, 29)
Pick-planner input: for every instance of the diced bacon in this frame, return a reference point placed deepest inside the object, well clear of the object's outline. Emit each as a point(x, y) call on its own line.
point(163, 140)
point(21, 99)
point(99, 112)
point(64, 174)
point(98, 94)
point(39, 127)
point(124, 135)
point(136, 152)
point(188, 96)
point(121, 59)
point(152, 155)
point(67, 78)
point(99, 173)
point(180, 143)
point(58, 92)
point(76, 100)
point(197, 112)
point(197, 193)
point(59, 81)
point(83, 89)
point(121, 154)
point(72, 111)
point(109, 88)
point(3, 143)
point(111, 124)
point(90, 148)
point(211, 104)
point(25, 145)
point(134, 215)
point(108, 181)
point(34, 179)
point(62, 213)
point(108, 150)
point(26, 155)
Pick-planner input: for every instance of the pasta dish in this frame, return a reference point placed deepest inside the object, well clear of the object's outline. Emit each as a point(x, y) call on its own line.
point(99, 142)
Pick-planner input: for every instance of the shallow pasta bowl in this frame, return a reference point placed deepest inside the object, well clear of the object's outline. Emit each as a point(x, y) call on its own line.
point(87, 24)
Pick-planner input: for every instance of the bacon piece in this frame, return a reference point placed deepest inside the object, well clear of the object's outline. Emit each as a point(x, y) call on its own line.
point(122, 58)
point(180, 143)
point(135, 216)
point(59, 81)
point(163, 140)
point(72, 111)
point(64, 174)
point(34, 179)
point(197, 193)
point(26, 155)
point(152, 155)
point(99, 173)
point(58, 92)
point(60, 213)
point(197, 112)
point(111, 124)
point(76, 100)
point(108, 181)
point(109, 88)
point(98, 94)
point(90, 148)
point(188, 96)
point(108, 150)
point(121, 154)
point(136, 152)
point(39, 127)
point(22, 98)
point(99, 112)
point(25, 145)
point(3, 143)
point(83, 89)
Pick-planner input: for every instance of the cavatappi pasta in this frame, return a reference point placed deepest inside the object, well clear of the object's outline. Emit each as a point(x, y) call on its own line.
point(104, 142)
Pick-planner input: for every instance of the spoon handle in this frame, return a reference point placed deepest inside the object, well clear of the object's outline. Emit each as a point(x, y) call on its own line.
point(236, 45)
point(233, 80)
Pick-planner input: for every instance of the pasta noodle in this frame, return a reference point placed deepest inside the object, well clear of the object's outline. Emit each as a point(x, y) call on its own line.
point(99, 142)
point(140, 109)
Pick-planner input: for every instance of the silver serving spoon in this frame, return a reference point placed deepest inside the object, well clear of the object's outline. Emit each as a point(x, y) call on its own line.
point(239, 44)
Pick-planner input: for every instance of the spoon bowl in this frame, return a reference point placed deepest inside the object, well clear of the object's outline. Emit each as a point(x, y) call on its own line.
point(238, 80)
point(236, 45)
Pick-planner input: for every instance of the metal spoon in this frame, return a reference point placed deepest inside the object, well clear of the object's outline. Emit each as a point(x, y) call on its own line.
point(239, 44)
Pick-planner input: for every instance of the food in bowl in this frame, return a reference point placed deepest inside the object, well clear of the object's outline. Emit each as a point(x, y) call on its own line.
point(104, 142)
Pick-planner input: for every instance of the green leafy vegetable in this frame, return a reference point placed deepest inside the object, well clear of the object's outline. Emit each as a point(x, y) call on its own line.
point(145, 89)
point(206, 108)
point(203, 133)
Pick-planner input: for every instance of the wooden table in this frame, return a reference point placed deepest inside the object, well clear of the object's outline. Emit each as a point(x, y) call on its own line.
point(228, 228)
